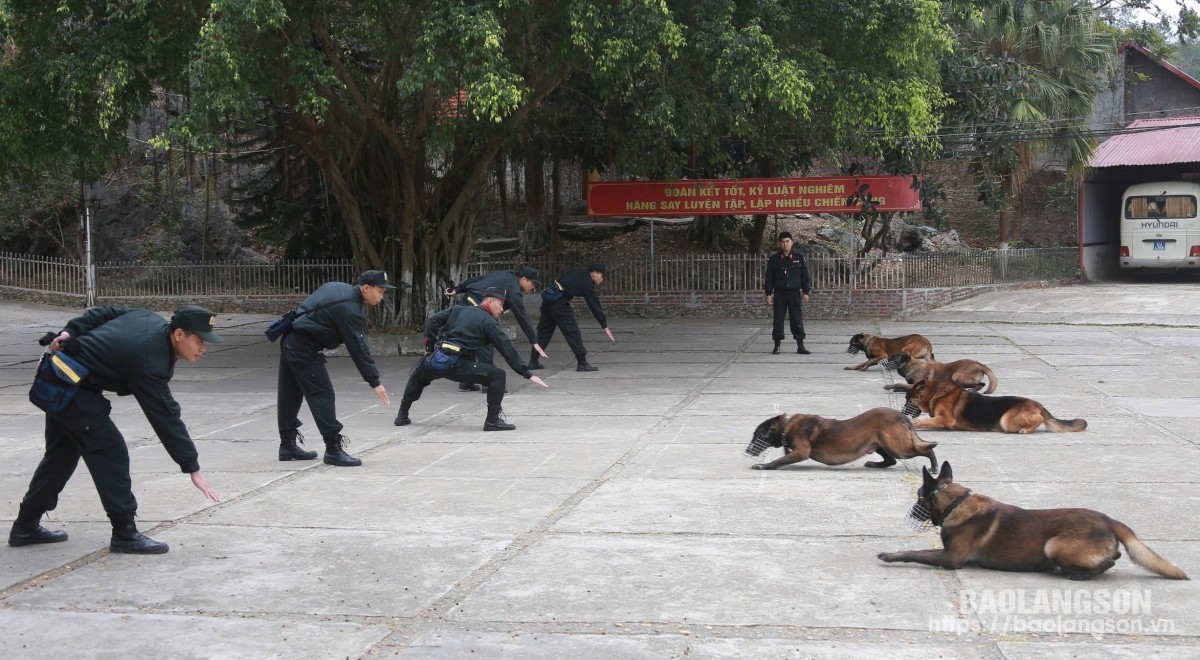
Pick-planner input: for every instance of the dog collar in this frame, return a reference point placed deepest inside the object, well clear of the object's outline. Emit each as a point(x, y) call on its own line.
point(953, 505)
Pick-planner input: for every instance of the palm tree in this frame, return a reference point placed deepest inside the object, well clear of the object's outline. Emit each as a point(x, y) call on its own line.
point(1023, 80)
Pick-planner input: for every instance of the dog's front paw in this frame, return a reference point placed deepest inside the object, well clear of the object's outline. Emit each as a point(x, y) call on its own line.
point(874, 464)
point(760, 466)
point(887, 556)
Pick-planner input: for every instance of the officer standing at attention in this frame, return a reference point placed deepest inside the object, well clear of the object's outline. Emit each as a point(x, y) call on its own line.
point(788, 285)
point(514, 286)
point(302, 372)
point(557, 312)
point(128, 351)
point(454, 339)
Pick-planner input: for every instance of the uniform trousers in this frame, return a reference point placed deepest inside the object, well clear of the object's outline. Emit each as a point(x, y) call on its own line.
point(84, 430)
point(560, 315)
point(304, 378)
point(788, 301)
point(474, 371)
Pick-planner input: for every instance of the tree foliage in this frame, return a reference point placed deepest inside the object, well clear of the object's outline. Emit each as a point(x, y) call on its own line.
point(405, 108)
point(1023, 79)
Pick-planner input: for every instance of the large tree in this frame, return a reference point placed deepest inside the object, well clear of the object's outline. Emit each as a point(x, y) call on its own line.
point(405, 107)
point(1023, 80)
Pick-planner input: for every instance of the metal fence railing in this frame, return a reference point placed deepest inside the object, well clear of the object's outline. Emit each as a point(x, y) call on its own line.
point(292, 279)
point(218, 278)
point(739, 272)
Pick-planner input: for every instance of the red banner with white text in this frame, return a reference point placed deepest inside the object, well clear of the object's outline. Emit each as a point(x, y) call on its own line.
point(753, 196)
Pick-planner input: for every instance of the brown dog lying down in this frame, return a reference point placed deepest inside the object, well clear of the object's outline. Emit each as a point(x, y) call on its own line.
point(1078, 543)
point(836, 442)
point(951, 407)
point(878, 349)
point(967, 374)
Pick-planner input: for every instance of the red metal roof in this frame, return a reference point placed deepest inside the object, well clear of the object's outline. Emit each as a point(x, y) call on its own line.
point(1152, 142)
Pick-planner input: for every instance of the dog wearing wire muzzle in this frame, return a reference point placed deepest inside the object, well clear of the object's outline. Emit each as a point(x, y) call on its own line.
point(967, 374)
point(878, 349)
point(977, 530)
point(884, 431)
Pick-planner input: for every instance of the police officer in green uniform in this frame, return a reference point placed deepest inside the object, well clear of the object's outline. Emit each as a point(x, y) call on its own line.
point(557, 312)
point(336, 318)
point(454, 339)
point(515, 286)
point(787, 285)
point(127, 351)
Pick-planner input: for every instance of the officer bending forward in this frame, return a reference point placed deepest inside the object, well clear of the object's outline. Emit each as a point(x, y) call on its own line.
point(464, 332)
point(128, 351)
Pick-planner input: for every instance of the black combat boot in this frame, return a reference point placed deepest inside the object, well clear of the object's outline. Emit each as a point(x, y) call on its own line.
point(533, 361)
point(289, 451)
point(800, 348)
point(584, 366)
point(495, 422)
point(775, 351)
point(126, 539)
point(27, 530)
point(402, 416)
point(336, 455)
point(468, 387)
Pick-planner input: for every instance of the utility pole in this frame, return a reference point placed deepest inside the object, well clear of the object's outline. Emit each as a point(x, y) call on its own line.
point(92, 192)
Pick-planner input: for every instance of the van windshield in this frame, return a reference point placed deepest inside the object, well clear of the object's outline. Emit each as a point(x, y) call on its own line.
point(1160, 206)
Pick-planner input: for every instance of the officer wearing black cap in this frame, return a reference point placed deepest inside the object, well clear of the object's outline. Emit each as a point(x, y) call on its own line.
point(787, 285)
point(513, 286)
point(557, 312)
point(454, 338)
point(127, 351)
point(336, 319)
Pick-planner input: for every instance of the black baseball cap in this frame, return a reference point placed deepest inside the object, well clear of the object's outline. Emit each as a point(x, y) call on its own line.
point(530, 273)
point(198, 321)
point(375, 278)
point(493, 292)
point(597, 267)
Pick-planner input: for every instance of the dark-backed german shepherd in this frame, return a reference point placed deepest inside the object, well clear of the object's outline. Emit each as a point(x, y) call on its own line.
point(951, 407)
point(836, 442)
point(1078, 543)
point(967, 374)
point(878, 349)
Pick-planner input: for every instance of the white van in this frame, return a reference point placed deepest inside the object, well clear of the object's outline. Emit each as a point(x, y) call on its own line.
point(1159, 225)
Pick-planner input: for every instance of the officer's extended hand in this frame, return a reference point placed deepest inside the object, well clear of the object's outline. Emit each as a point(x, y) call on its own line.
point(539, 381)
point(450, 293)
point(804, 297)
point(770, 299)
point(57, 342)
point(381, 392)
point(199, 481)
point(541, 352)
point(609, 333)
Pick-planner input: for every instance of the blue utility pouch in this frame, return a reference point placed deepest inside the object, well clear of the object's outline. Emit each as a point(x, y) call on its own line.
point(281, 325)
point(56, 382)
point(553, 293)
point(444, 358)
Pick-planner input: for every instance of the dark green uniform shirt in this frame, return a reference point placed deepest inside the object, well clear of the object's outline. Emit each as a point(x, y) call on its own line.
point(578, 282)
point(514, 298)
point(472, 328)
point(129, 352)
point(339, 324)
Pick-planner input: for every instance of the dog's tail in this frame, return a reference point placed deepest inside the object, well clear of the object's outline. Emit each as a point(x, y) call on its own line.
point(992, 382)
point(1145, 557)
point(1063, 425)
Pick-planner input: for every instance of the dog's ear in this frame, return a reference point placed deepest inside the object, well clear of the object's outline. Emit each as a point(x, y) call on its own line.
point(856, 340)
point(945, 474)
point(781, 422)
point(926, 479)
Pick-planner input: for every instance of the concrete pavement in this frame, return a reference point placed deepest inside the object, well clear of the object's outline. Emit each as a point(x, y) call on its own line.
point(620, 519)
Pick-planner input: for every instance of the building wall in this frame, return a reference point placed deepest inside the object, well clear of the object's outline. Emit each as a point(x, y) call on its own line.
point(1152, 91)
